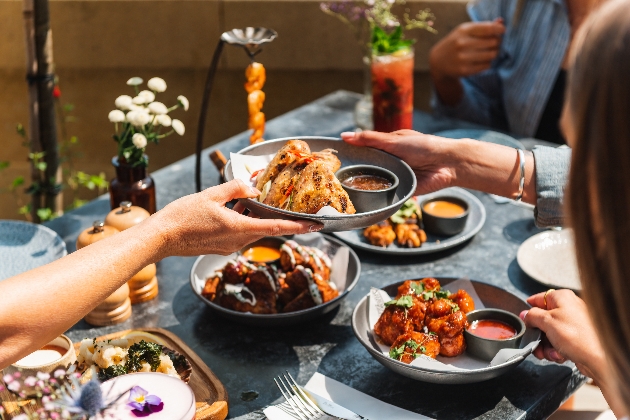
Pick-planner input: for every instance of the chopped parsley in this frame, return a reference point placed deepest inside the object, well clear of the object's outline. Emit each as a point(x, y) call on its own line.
point(416, 349)
point(442, 294)
point(404, 302)
point(428, 295)
point(417, 288)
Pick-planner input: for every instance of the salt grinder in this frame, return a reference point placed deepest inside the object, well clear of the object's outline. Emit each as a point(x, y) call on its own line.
point(116, 308)
point(144, 285)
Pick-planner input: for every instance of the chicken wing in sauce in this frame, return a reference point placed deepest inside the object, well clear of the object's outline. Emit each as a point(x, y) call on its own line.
point(463, 300)
point(392, 323)
point(381, 234)
point(448, 322)
point(317, 187)
point(408, 347)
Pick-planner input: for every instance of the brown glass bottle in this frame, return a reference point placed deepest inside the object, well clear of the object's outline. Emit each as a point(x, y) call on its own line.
point(132, 184)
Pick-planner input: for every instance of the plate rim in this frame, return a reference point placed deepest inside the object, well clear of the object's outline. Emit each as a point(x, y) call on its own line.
point(529, 274)
point(376, 354)
point(284, 315)
point(397, 204)
point(456, 240)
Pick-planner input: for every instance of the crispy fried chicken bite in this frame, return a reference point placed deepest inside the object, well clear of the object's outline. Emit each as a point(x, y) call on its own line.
point(448, 322)
point(292, 254)
point(408, 347)
point(302, 301)
point(451, 347)
point(463, 300)
point(392, 323)
point(381, 234)
point(243, 299)
point(409, 235)
point(418, 287)
point(236, 271)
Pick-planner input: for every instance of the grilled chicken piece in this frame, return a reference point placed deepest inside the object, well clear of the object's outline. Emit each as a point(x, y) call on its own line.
point(317, 187)
point(289, 153)
point(329, 157)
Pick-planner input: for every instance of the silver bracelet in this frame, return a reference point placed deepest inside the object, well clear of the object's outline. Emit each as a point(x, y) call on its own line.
point(521, 183)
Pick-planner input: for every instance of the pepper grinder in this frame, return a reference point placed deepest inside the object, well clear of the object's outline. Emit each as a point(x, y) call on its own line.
point(144, 285)
point(116, 308)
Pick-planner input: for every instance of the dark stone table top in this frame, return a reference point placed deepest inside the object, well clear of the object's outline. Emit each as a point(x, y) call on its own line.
point(246, 358)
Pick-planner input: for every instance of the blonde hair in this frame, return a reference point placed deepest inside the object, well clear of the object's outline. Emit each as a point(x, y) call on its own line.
point(598, 198)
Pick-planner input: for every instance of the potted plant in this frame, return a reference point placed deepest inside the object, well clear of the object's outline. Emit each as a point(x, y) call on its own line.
point(138, 121)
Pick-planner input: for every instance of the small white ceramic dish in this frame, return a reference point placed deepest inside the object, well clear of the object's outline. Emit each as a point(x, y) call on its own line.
point(46, 362)
point(549, 258)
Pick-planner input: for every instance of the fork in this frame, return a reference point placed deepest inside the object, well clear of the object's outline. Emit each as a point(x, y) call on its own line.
point(298, 404)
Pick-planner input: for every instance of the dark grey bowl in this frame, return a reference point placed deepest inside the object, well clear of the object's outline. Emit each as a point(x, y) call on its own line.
point(268, 241)
point(206, 264)
point(486, 348)
point(491, 296)
point(349, 155)
point(368, 200)
point(447, 226)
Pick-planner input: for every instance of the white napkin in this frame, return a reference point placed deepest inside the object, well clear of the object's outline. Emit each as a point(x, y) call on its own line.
point(322, 387)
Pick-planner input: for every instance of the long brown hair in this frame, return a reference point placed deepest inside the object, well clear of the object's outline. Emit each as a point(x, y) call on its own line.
point(598, 195)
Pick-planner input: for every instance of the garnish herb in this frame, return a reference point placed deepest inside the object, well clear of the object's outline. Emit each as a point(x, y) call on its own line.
point(417, 288)
point(428, 295)
point(442, 294)
point(407, 211)
point(389, 43)
point(397, 352)
point(404, 302)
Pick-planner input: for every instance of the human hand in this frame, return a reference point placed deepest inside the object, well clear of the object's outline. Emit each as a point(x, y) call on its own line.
point(200, 223)
point(424, 153)
point(466, 50)
point(568, 331)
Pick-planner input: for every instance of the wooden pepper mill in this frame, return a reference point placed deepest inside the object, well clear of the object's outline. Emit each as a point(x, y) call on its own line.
point(116, 308)
point(144, 285)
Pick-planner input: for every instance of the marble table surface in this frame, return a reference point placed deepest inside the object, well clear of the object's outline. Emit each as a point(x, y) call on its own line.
point(246, 358)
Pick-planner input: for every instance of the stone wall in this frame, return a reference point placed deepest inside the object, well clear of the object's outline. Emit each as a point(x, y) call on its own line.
point(99, 44)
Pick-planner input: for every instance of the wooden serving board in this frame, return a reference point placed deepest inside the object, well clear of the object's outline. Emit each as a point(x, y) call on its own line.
point(212, 399)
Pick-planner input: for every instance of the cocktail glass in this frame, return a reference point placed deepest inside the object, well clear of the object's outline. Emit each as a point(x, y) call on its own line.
point(392, 90)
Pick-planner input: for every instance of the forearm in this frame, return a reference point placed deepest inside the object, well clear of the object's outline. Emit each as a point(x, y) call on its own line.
point(37, 306)
point(491, 168)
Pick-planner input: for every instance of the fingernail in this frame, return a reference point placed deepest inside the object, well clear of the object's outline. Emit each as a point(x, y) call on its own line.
point(523, 315)
point(254, 190)
point(348, 135)
point(315, 228)
point(555, 355)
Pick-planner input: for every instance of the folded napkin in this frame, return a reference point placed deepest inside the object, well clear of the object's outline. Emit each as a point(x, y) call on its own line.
point(322, 387)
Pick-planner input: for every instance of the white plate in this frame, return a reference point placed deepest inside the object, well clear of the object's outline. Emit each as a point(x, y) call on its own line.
point(549, 258)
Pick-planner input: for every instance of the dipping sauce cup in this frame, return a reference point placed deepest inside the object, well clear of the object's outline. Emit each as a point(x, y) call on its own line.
point(265, 250)
point(444, 215)
point(488, 340)
point(369, 187)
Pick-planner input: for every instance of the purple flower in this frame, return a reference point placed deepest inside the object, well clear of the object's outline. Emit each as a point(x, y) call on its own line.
point(140, 401)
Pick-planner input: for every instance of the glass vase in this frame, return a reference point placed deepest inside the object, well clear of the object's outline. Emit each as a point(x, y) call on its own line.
point(363, 108)
point(392, 91)
point(132, 184)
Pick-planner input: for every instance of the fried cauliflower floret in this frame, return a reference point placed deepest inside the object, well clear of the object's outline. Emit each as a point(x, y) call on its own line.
point(86, 352)
point(166, 366)
point(108, 355)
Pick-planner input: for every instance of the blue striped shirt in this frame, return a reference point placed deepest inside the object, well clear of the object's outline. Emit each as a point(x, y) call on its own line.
point(513, 93)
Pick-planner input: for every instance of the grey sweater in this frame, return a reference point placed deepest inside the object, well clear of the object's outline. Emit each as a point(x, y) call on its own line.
point(552, 174)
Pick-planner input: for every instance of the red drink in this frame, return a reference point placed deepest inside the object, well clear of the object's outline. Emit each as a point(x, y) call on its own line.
point(392, 91)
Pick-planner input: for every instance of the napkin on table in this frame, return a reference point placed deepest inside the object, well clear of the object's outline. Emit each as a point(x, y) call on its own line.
point(323, 387)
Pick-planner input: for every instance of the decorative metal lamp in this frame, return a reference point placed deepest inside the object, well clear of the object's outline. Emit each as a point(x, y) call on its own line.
point(252, 40)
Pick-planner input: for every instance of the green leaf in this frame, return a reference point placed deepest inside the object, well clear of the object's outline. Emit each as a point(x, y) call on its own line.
point(404, 302)
point(21, 130)
point(17, 182)
point(41, 166)
point(4, 164)
point(417, 288)
point(25, 209)
point(442, 294)
point(45, 214)
point(428, 295)
point(389, 43)
point(406, 212)
point(397, 352)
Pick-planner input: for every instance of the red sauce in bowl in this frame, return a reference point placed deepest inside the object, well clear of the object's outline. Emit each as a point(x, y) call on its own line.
point(367, 182)
point(494, 330)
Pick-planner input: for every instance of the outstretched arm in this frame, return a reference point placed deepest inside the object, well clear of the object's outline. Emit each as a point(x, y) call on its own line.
point(37, 306)
point(439, 163)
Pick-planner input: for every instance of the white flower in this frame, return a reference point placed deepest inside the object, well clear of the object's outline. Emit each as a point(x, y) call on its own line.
point(157, 84)
point(147, 95)
point(138, 108)
point(138, 100)
point(178, 126)
point(183, 101)
point(116, 116)
point(123, 102)
point(158, 108)
point(138, 118)
point(163, 120)
point(139, 141)
point(134, 81)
